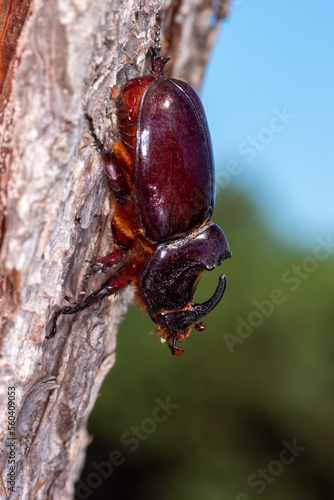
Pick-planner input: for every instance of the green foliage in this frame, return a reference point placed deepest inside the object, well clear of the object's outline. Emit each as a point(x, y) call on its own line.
point(241, 395)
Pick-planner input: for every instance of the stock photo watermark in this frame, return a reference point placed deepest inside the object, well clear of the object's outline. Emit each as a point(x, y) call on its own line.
point(132, 439)
point(266, 476)
point(11, 440)
point(255, 144)
point(292, 277)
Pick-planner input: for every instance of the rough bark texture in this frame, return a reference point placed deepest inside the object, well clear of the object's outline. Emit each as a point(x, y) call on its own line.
point(55, 214)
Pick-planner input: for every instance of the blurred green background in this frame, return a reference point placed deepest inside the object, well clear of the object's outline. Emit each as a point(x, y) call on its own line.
point(239, 396)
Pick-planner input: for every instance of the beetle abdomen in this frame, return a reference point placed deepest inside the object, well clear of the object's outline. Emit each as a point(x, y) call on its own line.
point(174, 176)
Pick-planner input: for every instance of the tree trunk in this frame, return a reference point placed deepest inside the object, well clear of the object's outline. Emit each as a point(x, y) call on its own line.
point(58, 60)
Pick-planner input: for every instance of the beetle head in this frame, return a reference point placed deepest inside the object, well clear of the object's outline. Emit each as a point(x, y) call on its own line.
point(170, 276)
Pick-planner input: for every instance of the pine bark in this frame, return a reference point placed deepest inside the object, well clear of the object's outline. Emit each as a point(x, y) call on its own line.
point(55, 213)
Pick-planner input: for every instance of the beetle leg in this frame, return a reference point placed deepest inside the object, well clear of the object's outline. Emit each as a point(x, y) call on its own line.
point(120, 239)
point(116, 283)
point(175, 349)
point(116, 177)
point(158, 62)
point(83, 288)
point(110, 260)
point(100, 266)
point(199, 326)
point(97, 143)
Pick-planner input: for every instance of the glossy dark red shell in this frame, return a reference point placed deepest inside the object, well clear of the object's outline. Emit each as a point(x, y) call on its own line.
point(174, 174)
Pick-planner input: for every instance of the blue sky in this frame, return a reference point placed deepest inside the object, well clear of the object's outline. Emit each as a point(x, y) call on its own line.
point(269, 97)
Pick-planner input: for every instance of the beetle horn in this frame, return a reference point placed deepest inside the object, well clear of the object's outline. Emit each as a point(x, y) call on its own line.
point(180, 320)
point(200, 310)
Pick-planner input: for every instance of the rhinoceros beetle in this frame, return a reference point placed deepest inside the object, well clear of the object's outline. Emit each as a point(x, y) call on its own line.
point(161, 177)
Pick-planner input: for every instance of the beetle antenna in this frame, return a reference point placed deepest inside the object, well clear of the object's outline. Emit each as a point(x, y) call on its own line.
point(158, 62)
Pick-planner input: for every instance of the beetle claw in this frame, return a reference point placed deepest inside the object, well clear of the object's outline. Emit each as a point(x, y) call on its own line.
point(96, 268)
point(200, 326)
point(175, 349)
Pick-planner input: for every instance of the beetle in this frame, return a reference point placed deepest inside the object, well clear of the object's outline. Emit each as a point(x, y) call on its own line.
point(160, 175)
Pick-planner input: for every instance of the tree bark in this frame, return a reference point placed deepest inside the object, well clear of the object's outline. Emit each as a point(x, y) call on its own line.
point(55, 213)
